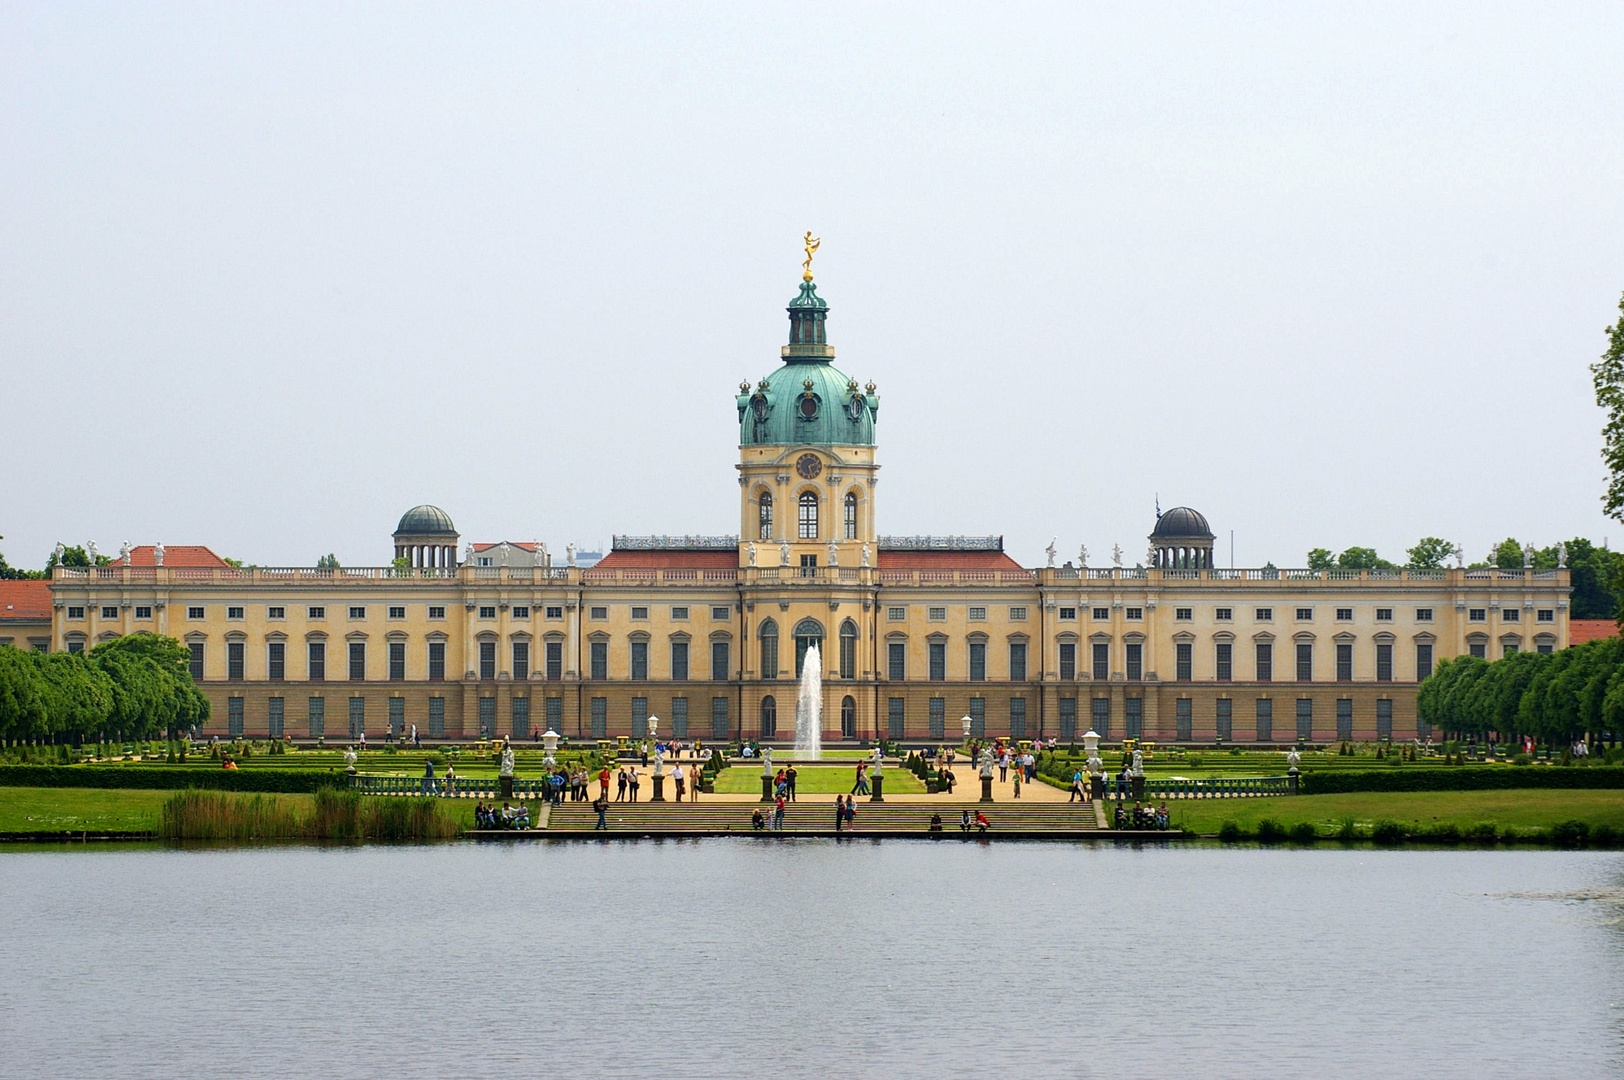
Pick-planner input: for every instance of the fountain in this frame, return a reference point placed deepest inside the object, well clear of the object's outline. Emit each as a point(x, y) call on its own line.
point(809, 707)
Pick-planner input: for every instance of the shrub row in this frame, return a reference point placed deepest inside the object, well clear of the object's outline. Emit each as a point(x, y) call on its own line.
point(1462, 778)
point(1566, 834)
point(289, 781)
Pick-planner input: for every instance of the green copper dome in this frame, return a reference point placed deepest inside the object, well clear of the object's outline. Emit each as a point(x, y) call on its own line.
point(808, 400)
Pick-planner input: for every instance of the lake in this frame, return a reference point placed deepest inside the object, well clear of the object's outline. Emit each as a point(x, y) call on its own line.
point(744, 958)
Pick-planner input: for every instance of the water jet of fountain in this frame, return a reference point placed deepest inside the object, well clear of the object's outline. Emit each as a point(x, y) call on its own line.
point(809, 707)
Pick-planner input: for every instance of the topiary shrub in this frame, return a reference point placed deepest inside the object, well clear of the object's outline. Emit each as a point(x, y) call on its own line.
point(1569, 834)
point(1303, 833)
point(1229, 832)
point(1387, 833)
point(1270, 831)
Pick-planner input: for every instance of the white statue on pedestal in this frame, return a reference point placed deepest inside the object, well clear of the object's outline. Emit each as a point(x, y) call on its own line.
point(834, 554)
point(783, 553)
point(507, 761)
point(865, 554)
point(751, 548)
point(569, 553)
point(985, 764)
point(158, 553)
point(1082, 555)
point(1562, 554)
point(1096, 767)
point(124, 553)
point(1116, 555)
point(879, 762)
point(57, 552)
point(1292, 758)
point(1050, 551)
point(766, 761)
point(1138, 763)
point(90, 549)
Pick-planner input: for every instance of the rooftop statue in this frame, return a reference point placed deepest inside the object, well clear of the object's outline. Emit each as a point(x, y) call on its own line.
point(811, 246)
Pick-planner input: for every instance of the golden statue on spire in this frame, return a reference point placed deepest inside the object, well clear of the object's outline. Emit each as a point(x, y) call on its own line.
point(811, 246)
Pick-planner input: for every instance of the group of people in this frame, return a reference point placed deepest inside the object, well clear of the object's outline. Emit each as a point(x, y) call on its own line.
point(784, 783)
point(1143, 818)
point(685, 782)
point(487, 816)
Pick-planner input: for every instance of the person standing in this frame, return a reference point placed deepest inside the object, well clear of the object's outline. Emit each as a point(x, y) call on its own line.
point(696, 778)
point(1077, 790)
point(789, 778)
point(450, 779)
point(840, 813)
point(678, 780)
point(602, 807)
point(620, 785)
point(1003, 767)
point(778, 815)
point(1018, 771)
point(851, 815)
point(428, 774)
point(603, 781)
point(633, 782)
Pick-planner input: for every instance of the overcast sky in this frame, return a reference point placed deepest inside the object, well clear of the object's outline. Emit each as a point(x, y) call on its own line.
point(272, 274)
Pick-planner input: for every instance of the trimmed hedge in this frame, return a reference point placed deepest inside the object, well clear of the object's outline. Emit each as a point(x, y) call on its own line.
point(1458, 779)
point(161, 777)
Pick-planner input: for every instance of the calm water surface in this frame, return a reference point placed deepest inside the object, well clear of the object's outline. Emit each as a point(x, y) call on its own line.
point(728, 958)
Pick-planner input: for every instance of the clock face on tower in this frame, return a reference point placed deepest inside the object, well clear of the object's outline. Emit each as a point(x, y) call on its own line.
point(808, 466)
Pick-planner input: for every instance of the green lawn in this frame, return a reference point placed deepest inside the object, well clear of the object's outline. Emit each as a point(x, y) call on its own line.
point(814, 780)
point(1523, 810)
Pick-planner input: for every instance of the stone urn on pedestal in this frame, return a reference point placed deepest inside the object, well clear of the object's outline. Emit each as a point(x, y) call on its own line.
point(549, 744)
point(1292, 771)
point(1096, 767)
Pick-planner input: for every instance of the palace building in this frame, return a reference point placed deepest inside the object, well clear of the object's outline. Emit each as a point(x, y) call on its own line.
point(917, 634)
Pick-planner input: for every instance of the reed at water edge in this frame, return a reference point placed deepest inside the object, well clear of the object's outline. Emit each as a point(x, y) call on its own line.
point(333, 814)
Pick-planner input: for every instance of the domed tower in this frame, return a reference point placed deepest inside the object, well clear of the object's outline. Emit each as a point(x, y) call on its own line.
point(426, 538)
point(1182, 540)
point(806, 452)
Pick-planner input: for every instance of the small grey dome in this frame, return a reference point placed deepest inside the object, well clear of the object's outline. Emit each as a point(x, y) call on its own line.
point(1181, 523)
point(425, 521)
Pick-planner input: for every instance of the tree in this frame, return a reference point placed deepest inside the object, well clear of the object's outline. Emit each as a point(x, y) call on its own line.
point(1362, 558)
point(1607, 375)
point(1508, 554)
point(154, 674)
point(12, 573)
point(1430, 553)
point(327, 562)
point(1320, 559)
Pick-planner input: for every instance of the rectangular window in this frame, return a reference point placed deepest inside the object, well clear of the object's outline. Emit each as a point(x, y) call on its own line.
point(896, 718)
point(639, 659)
point(1102, 660)
point(358, 659)
point(1305, 614)
point(275, 719)
point(1183, 661)
point(1100, 613)
point(1305, 662)
point(1423, 614)
point(276, 660)
point(1510, 614)
point(397, 716)
point(191, 613)
point(1135, 718)
point(978, 661)
point(679, 717)
point(195, 660)
point(112, 612)
point(640, 614)
point(1223, 614)
point(600, 717)
point(358, 612)
point(1545, 615)
point(1136, 661)
point(936, 614)
point(1017, 614)
point(436, 612)
point(1183, 614)
point(1344, 661)
point(1477, 614)
point(276, 613)
point(719, 721)
point(1423, 660)
point(555, 713)
point(437, 661)
point(1265, 720)
point(1478, 649)
point(1223, 661)
point(938, 718)
point(487, 718)
point(679, 661)
point(1225, 717)
point(598, 614)
point(598, 651)
point(938, 661)
point(1017, 661)
point(358, 716)
point(1265, 661)
point(769, 656)
point(79, 613)
point(486, 611)
point(436, 717)
point(1384, 662)
point(316, 718)
point(1184, 718)
point(978, 718)
point(397, 660)
point(555, 661)
point(1343, 614)
point(314, 612)
point(978, 614)
point(896, 614)
point(1068, 660)
point(1263, 614)
point(807, 518)
point(1384, 718)
point(234, 718)
point(397, 611)
point(1068, 719)
point(1384, 614)
point(487, 659)
point(896, 654)
point(1017, 718)
point(848, 655)
point(1101, 719)
point(316, 660)
point(1133, 614)
point(521, 660)
point(639, 717)
point(680, 614)
point(721, 613)
point(1068, 614)
point(556, 611)
point(1545, 648)
point(521, 613)
point(1344, 719)
point(1305, 719)
point(143, 612)
point(234, 651)
point(720, 661)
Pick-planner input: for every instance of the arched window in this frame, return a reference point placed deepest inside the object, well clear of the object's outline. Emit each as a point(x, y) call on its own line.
point(848, 717)
point(807, 634)
point(765, 531)
point(769, 650)
point(848, 650)
point(851, 515)
point(769, 718)
point(809, 516)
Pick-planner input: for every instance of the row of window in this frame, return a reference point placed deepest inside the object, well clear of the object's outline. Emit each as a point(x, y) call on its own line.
point(974, 612)
point(806, 520)
point(719, 613)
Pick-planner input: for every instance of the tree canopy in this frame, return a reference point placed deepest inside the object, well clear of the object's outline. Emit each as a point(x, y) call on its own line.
point(1555, 697)
point(1607, 375)
point(137, 686)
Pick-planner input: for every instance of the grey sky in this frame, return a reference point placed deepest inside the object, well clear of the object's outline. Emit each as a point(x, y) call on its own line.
point(270, 275)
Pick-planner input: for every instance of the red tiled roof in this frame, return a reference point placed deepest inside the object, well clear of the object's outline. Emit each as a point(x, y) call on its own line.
point(25, 599)
point(1583, 630)
point(946, 560)
point(174, 555)
point(670, 560)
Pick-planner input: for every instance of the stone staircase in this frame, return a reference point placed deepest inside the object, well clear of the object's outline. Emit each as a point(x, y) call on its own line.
point(818, 819)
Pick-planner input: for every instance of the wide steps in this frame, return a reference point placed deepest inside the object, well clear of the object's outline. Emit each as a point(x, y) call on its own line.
point(872, 818)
